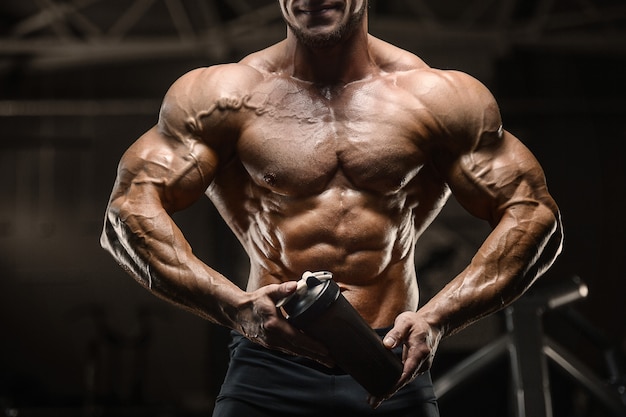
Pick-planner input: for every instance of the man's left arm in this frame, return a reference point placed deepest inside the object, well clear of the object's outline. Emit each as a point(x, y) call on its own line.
point(505, 185)
point(496, 178)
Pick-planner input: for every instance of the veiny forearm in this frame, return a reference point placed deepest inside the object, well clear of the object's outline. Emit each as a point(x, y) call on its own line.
point(147, 244)
point(520, 248)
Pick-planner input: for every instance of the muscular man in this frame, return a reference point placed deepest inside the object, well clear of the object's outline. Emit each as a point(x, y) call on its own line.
point(330, 150)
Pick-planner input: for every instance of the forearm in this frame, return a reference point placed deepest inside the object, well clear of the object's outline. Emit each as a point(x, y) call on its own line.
point(520, 249)
point(153, 250)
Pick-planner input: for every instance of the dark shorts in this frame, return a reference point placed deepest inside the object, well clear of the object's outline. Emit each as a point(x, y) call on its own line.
point(262, 382)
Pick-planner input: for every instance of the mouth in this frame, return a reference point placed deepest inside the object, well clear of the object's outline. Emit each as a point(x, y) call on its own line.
point(319, 9)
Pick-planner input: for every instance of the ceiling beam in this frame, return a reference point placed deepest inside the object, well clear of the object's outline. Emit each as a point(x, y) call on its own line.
point(583, 29)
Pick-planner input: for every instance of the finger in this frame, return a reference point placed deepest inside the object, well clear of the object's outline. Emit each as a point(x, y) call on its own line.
point(396, 335)
point(287, 338)
point(416, 360)
point(374, 402)
point(279, 291)
point(391, 340)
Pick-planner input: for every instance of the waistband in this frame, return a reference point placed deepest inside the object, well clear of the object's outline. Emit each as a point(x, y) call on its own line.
point(240, 343)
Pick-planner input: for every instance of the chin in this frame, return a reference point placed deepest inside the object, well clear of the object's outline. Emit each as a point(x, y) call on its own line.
point(329, 36)
point(319, 40)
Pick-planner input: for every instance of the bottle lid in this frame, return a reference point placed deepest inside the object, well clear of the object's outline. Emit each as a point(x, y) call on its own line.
point(316, 291)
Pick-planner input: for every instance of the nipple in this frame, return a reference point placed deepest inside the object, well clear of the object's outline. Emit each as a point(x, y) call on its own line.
point(270, 178)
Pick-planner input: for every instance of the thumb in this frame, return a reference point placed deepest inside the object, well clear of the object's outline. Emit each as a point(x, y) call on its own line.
point(398, 333)
point(391, 339)
point(280, 291)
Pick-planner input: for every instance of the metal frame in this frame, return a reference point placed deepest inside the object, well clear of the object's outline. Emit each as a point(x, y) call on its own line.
point(529, 350)
point(68, 33)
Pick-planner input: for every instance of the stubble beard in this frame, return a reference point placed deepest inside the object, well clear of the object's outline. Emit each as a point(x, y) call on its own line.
point(326, 40)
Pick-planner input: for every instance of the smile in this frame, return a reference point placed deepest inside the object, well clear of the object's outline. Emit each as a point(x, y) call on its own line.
point(319, 10)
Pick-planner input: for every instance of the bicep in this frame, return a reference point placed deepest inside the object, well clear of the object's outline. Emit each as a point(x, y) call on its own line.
point(163, 170)
point(497, 176)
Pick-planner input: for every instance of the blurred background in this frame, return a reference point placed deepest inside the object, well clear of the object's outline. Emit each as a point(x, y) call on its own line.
point(81, 79)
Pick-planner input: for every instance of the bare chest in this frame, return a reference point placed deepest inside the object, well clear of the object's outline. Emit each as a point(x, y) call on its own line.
point(301, 139)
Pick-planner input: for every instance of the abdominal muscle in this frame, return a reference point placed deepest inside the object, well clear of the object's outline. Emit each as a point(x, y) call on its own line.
point(366, 244)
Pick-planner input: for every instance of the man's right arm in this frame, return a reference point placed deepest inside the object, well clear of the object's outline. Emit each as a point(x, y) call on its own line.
point(164, 171)
point(157, 176)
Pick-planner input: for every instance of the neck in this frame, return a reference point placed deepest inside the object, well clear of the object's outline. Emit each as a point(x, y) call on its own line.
point(348, 61)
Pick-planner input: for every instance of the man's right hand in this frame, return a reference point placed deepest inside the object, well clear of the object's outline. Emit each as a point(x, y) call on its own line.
point(262, 322)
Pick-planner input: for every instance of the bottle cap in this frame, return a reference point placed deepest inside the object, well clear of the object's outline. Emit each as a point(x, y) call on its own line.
point(315, 293)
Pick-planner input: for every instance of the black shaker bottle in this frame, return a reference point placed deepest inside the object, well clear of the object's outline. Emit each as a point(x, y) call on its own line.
point(320, 310)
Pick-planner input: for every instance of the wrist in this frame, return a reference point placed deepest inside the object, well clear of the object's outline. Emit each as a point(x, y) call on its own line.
point(435, 319)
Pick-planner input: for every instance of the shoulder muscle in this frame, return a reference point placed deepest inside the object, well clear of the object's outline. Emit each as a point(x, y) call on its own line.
point(197, 104)
point(464, 109)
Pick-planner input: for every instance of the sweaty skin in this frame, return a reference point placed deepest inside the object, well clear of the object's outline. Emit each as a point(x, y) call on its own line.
point(332, 157)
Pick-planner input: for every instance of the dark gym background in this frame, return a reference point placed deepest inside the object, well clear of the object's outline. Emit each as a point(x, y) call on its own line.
point(81, 79)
